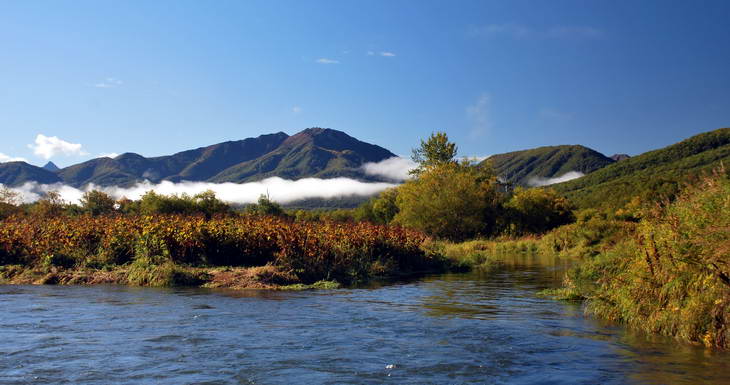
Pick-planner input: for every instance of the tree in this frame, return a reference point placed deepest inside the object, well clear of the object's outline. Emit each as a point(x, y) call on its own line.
point(434, 151)
point(537, 210)
point(266, 206)
point(51, 205)
point(449, 200)
point(385, 207)
point(9, 201)
point(96, 202)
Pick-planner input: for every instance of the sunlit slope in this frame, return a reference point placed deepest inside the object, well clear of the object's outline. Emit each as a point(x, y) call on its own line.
point(520, 167)
point(652, 174)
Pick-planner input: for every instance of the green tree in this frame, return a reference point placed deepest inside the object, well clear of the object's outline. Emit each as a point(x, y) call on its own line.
point(450, 200)
point(265, 206)
point(537, 210)
point(385, 207)
point(96, 202)
point(207, 203)
point(434, 151)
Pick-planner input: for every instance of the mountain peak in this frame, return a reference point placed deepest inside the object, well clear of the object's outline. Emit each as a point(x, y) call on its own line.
point(50, 166)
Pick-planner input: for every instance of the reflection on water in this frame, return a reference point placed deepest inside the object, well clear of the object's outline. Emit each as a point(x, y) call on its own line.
point(454, 328)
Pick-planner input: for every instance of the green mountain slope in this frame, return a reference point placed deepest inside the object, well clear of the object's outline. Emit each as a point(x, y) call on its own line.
point(652, 174)
point(17, 173)
point(520, 167)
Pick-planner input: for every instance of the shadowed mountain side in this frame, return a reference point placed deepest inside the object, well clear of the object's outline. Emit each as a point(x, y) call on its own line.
point(651, 174)
point(519, 167)
point(315, 152)
point(196, 165)
point(18, 173)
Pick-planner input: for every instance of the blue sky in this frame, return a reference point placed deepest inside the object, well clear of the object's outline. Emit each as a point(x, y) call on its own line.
point(157, 77)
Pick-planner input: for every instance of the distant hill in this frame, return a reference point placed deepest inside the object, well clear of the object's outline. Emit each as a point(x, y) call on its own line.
point(18, 173)
point(314, 152)
point(652, 174)
point(522, 167)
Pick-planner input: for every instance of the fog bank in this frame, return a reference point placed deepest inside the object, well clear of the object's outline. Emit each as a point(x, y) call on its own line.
point(538, 181)
point(279, 190)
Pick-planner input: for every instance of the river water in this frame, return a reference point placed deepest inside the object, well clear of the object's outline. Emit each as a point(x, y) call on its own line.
point(446, 329)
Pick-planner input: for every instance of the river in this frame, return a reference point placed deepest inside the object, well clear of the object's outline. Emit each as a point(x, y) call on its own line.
point(446, 329)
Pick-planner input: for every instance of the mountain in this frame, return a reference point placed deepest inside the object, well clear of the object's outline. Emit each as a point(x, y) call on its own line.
point(522, 167)
point(650, 175)
point(18, 173)
point(619, 157)
point(50, 166)
point(314, 152)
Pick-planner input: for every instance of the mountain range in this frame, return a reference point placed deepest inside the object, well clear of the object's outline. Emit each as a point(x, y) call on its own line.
point(314, 152)
point(326, 153)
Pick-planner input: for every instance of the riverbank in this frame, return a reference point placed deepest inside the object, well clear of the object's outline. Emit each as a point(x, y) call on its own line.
point(231, 252)
point(666, 273)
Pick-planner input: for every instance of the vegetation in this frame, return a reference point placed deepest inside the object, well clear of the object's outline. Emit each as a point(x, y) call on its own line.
point(172, 249)
point(520, 167)
point(673, 275)
point(652, 176)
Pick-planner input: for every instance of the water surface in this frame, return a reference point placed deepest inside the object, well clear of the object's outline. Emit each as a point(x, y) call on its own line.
point(446, 329)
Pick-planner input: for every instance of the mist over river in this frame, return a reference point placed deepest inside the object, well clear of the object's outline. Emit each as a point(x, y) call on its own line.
point(444, 329)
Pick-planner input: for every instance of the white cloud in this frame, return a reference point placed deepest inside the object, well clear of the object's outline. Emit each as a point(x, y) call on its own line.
point(479, 115)
point(297, 109)
point(538, 181)
point(387, 54)
point(109, 155)
point(109, 83)
point(6, 158)
point(324, 60)
point(280, 190)
point(50, 146)
point(395, 168)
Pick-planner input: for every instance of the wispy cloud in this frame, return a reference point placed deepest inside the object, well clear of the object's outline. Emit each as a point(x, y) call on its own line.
point(109, 83)
point(325, 60)
point(538, 181)
point(49, 146)
point(280, 190)
point(109, 155)
point(521, 31)
point(479, 115)
point(297, 109)
point(371, 53)
point(395, 168)
point(387, 54)
point(6, 158)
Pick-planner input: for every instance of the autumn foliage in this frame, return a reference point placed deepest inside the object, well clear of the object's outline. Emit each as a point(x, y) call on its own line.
point(312, 251)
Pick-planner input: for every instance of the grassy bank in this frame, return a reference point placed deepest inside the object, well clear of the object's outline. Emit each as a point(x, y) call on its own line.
point(233, 251)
